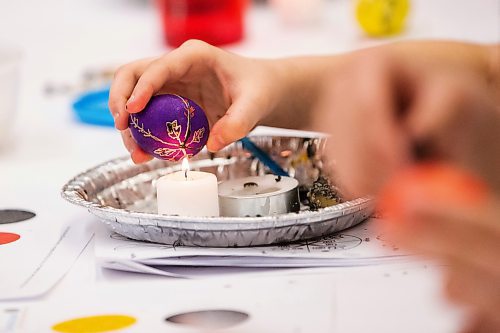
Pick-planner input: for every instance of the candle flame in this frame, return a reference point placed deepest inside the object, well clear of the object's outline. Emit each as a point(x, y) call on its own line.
point(185, 164)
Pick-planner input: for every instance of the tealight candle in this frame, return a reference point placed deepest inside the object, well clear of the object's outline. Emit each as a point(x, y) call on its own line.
point(187, 193)
point(259, 196)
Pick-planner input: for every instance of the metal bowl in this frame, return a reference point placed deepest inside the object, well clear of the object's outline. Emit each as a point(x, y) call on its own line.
point(123, 195)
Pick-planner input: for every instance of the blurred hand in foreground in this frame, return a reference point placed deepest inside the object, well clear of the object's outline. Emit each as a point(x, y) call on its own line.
point(391, 108)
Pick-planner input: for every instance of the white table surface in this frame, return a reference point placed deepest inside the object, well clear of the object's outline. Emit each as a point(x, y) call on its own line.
point(60, 39)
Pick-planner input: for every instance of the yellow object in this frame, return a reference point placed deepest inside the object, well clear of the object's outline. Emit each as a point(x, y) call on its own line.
point(94, 324)
point(382, 17)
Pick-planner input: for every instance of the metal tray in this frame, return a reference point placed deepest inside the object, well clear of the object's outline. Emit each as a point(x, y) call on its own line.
point(123, 196)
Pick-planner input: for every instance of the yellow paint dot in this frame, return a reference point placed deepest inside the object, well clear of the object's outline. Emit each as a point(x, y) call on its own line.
point(382, 17)
point(94, 324)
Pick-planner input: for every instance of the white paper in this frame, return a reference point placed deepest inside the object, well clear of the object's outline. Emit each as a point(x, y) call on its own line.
point(383, 298)
point(42, 256)
point(274, 304)
point(9, 319)
point(357, 246)
point(405, 297)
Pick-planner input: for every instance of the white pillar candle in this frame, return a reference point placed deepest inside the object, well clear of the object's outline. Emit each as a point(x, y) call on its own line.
point(188, 193)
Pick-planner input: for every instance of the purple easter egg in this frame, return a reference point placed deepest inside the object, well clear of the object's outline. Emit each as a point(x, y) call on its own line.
point(170, 127)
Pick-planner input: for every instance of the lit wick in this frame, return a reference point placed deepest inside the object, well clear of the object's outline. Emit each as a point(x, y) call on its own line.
point(185, 167)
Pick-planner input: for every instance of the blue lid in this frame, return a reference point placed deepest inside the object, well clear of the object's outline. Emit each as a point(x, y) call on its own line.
point(92, 108)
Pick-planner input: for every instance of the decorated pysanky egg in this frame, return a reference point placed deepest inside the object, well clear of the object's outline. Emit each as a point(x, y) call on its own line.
point(170, 127)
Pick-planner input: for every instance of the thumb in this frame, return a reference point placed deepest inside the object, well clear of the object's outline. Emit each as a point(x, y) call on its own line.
point(238, 121)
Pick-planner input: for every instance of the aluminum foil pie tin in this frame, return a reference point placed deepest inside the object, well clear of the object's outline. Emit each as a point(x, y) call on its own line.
point(123, 195)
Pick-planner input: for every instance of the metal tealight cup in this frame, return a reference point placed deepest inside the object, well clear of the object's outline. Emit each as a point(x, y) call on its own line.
point(259, 196)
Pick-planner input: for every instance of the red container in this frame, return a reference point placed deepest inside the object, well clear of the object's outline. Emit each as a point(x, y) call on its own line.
point(216, 22)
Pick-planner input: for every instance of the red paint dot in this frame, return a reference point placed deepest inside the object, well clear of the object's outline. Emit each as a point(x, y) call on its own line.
point(7, 237)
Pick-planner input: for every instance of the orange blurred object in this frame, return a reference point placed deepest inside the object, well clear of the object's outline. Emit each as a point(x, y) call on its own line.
point(216, 22)
point(436, 182)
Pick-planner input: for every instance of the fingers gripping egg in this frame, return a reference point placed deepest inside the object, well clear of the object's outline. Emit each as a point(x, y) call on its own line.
point(170, 127)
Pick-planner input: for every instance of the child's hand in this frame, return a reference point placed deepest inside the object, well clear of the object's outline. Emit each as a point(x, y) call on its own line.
point(234, 91)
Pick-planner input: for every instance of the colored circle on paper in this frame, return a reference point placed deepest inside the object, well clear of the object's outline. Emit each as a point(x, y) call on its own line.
point(209, 319)
point(95, 324)
point(8, 237)
point(381, 18)
point(15, 215)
